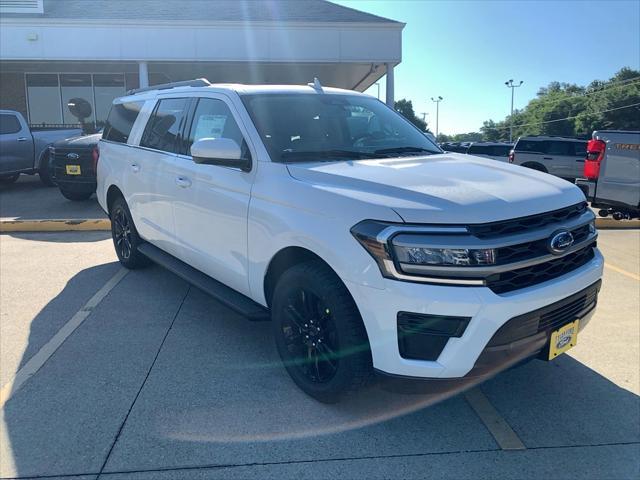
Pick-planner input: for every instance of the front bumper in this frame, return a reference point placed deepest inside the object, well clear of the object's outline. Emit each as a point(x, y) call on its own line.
point(488, 311)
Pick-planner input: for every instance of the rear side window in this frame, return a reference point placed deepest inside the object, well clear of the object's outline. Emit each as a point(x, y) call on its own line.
point(120, 121)
point(164, 129)
point(580, 149)
point(501, 150)
point(9, 124)
point(560, 148)
point(533, 146)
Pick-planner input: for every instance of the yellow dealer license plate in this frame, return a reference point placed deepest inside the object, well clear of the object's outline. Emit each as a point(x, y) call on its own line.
point(73, 170)
point(563, 339)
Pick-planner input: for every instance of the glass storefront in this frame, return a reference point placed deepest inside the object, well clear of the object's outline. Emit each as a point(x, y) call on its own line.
point(48, 96)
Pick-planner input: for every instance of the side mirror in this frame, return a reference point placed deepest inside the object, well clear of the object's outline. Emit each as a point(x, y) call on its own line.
point(219, 151)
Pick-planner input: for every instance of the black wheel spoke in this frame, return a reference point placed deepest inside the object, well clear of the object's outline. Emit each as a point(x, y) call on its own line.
point(309, 333)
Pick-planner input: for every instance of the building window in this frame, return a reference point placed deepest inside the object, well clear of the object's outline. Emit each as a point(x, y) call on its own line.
point(76, 86)
point(106, 88)
point(49, 95)
point(43, 92)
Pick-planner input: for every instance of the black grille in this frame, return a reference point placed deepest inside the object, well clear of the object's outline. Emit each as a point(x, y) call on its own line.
point(548, 318)
point(538, 248)
point(496, 229)
point(525, 277)
point(60, 161)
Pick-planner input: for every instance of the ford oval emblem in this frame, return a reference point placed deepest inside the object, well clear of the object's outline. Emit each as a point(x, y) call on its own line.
point(73, 156)
point(560, 242)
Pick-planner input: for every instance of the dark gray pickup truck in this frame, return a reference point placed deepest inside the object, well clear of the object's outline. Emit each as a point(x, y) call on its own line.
point(25, 151)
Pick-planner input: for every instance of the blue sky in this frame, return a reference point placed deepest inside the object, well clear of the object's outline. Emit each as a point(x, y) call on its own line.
point(466, 50)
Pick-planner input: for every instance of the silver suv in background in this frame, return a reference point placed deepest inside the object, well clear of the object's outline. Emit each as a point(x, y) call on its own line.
point(559, 156)
point(493, 150)
point(612, 173)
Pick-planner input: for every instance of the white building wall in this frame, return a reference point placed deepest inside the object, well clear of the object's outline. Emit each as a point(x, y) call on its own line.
point(368, 43)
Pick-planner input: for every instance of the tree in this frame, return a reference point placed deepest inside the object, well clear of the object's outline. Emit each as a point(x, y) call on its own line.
point(568, 109)
point(405, 108)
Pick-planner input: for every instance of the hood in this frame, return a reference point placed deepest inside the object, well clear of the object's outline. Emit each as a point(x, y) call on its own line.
point(445, 188)
point(88, 141)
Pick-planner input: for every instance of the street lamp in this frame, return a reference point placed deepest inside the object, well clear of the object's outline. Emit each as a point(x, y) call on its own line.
point(378, 85)
point(437, 100)
point(512, 86)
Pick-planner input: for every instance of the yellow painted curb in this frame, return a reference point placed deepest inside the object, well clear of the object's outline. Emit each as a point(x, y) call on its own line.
point(607, 222)
point(79, 225)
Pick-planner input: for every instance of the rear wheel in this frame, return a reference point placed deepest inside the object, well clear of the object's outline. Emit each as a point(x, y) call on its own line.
point(535, 166)
point(319, 333)
point(76, 196)
point(6, 179)
point(125, 236)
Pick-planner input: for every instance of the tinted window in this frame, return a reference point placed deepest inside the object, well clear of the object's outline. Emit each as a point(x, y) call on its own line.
point(9, 124)
point(560, 148)
point(296, 127)
point(535, 146)
point(120, 121)
point(164, 128)
point(213, 119)
point(480, 150)
point(580, 149)
point(501, 150)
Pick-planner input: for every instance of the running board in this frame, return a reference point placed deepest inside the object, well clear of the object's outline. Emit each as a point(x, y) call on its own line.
point(225, 295)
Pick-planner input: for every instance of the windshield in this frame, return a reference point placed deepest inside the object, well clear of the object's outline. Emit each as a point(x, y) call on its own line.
point(304, 127)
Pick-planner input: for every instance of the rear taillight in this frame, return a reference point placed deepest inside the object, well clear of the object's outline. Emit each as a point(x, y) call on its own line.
point(595, 154)
point(95, 155)
point(512, 156)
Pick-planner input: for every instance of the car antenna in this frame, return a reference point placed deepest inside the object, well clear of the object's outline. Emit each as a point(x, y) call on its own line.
point(316, 85)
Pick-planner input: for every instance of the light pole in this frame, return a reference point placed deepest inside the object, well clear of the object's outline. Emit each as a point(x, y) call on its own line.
point(437, 100)
point(378, 85)
point(512, 86)
point(424, 116)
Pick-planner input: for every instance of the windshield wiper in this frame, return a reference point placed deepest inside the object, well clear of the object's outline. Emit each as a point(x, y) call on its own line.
point(409, 150)
point(311, 155)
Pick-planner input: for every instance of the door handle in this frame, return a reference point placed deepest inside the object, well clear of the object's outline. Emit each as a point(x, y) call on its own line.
point(580, 161)
point(547, 158)
point(183, 182)
point(22, 139)
point(135, 167)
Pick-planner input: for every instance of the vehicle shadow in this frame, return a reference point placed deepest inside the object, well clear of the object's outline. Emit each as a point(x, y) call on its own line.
point(217, 393)
point(61, 237)
point(29, 199)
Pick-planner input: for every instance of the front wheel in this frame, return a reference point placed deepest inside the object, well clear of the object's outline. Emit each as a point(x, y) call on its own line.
point(76, 196)
point(125, 236)
point(319, 333)
point(45, 170)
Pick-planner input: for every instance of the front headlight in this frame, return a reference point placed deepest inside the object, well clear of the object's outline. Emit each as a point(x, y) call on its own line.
point(400, 248)
point(445, 256)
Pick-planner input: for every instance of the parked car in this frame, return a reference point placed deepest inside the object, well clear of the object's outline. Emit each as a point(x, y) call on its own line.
point(612, 173)
point(455, 147)
point(493, 150)
point(559, 156)
point(23, 150)
point(370, 250)
point(73, 163)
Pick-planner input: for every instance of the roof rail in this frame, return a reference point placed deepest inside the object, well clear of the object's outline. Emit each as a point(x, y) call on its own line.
point(199, 82)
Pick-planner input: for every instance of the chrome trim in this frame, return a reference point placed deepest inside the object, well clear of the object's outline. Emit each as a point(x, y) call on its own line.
point(409, 238)
point(485, 271)
point(391, 230)
point(391, 268)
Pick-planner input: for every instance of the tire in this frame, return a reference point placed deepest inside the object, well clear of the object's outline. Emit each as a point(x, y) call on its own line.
point(125, 236)
point(315, 318)
point(7, 179)
point(76, 196)
point(44, 172)
point(535, 166)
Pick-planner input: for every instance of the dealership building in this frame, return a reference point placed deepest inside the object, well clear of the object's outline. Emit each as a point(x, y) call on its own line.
point(54, 50)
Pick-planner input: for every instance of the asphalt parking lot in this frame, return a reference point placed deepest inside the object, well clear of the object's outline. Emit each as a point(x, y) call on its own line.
point(159, 381)
point(114, 374)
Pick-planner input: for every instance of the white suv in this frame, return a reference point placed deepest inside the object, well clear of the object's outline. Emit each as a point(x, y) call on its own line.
point(368, 247)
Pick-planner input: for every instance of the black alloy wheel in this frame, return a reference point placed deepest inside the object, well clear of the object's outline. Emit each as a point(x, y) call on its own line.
point(310, 336)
